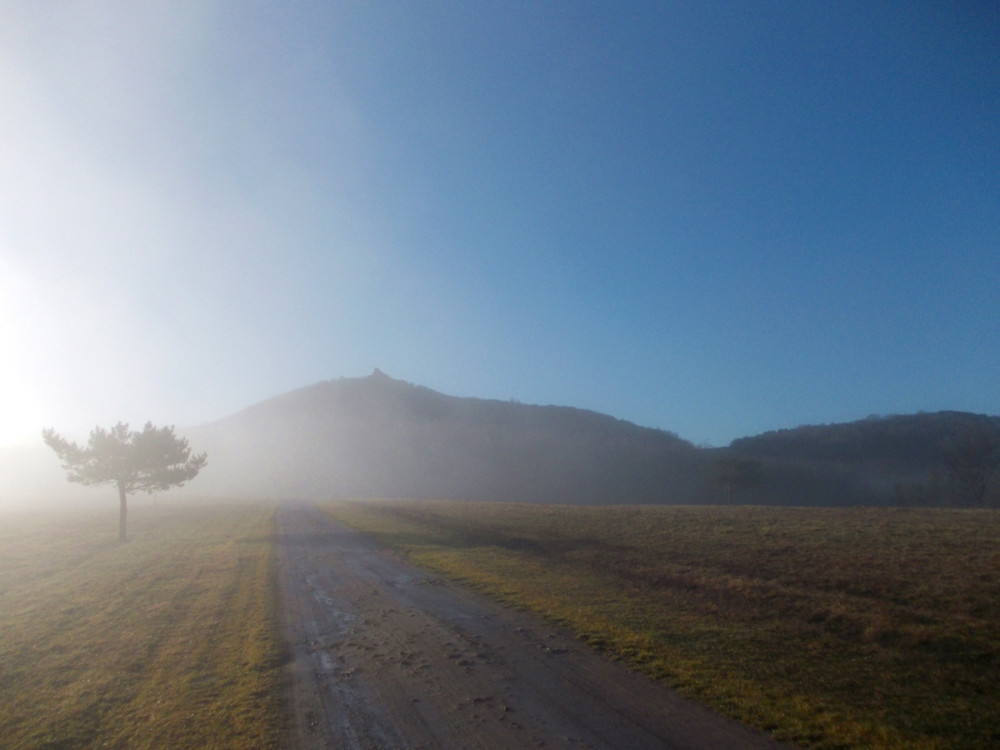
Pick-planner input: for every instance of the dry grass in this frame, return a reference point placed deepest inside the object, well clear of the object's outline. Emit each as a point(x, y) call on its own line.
point(168, 641)
point(848, 628)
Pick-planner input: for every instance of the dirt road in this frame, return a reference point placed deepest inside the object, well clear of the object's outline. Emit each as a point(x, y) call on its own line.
point(387, 656)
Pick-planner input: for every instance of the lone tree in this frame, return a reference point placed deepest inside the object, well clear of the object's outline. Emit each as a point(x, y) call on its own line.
point(148, 461)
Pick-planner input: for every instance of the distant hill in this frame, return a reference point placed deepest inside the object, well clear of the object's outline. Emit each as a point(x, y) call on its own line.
point(380, 437)
point(897, 459)
point(904, 440)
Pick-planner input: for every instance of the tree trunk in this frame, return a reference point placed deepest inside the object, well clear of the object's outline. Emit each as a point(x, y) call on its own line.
point(123, 507)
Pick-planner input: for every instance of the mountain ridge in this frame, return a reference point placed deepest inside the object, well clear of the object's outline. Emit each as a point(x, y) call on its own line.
point(376, 436)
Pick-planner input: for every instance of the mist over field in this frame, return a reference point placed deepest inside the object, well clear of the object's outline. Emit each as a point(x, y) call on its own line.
point(714, 220)
point(31, 478)
point(381, 437)
point(613, 235)
point(674, 323)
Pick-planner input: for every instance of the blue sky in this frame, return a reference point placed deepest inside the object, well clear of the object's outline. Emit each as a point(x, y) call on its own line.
point(711, 218)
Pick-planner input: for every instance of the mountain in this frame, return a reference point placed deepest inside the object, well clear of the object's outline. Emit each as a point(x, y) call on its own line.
point(380, 437)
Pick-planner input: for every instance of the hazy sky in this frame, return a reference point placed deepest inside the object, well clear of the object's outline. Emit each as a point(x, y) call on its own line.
point(712, 218)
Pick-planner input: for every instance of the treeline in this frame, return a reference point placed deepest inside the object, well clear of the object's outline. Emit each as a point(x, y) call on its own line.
point(928, 459)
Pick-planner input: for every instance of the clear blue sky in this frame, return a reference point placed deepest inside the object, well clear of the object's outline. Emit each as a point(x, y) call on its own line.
point(711, 218)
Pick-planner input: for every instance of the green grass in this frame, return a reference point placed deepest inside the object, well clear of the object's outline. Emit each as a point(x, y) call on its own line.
point(167, 641)
point(855, 628)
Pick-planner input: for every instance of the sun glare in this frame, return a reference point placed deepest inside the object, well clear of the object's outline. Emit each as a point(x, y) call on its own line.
point(21, 409)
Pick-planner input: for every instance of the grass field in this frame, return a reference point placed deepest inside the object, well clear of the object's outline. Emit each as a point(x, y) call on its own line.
point(831, 628)
point(855, 628)
point(168, 641)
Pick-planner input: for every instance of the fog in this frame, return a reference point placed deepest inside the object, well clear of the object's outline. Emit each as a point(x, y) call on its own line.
point(31, 478)
point(645, 212)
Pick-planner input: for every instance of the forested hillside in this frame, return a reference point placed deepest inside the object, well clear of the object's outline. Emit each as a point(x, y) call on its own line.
point(381, 437)
point(918, 459)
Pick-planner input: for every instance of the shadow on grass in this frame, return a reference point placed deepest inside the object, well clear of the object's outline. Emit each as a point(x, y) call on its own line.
point(458, 534)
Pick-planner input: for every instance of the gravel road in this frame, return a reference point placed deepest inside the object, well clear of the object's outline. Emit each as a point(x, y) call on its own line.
point(384, 655)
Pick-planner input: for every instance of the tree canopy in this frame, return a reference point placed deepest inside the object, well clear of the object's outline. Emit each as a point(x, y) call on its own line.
point(148, 461)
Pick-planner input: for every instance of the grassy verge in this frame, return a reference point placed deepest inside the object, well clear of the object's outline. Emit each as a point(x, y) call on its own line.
point(167, 641)
point(855, 628)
